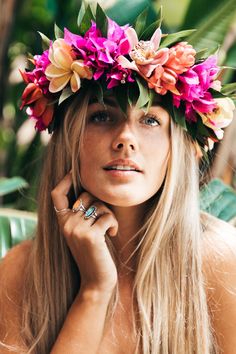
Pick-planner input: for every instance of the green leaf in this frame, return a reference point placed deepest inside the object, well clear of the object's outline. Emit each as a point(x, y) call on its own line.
point(205, 53)
point(202, 128)
point(81, 13)
point(175, 37)
point(179, 117)
point(147, 34)
point(66, 93)
point(121, 95)
point(45, 41)
point(216, 94)
point(133, 94)
point(124, 11)
point(58, 32)
point(101, 20)
point(228, 89)
point(9, 185)
point(15, 227)
point(219, 200)
point(144, 95)
point(197, 10)
point(140, 23)
point(86, 21)
point(213, 28)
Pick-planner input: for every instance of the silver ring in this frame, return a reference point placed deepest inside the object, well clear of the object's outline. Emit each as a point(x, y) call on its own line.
point(81, 207)
point(58, 211)
point(94, 215)
point(91, 212)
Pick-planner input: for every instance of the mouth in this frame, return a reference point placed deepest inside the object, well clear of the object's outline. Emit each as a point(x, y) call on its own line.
point(122, 166)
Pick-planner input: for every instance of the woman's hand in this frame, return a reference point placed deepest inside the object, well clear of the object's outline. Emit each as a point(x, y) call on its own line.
point(86, 237)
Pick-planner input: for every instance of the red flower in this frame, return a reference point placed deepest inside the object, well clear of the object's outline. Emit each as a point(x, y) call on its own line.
point(40, 108)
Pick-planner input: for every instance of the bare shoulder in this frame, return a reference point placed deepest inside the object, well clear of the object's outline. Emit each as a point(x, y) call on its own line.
point(12, 266)
point(219, 266)
point(219, 242)
point(12, 274)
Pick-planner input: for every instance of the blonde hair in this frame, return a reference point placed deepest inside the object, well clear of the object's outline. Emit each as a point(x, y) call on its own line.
point(171, 314)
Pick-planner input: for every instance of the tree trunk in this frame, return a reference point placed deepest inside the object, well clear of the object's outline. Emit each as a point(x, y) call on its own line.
point(7, 17)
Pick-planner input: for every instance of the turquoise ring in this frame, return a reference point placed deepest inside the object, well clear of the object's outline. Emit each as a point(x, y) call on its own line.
point(91, 212)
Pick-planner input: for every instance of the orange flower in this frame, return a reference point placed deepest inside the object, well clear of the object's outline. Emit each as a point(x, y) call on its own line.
point(163, 80)
point(181, 57)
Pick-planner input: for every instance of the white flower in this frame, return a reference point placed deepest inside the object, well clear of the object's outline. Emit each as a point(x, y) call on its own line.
point(221, 116)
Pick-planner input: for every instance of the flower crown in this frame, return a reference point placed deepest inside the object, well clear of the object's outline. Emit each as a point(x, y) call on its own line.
point(133, 63)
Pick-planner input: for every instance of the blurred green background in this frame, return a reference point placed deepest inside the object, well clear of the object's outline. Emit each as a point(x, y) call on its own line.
point(21, 148)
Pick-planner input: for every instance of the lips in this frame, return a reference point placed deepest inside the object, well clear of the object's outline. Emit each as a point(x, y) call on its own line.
point(122, 165)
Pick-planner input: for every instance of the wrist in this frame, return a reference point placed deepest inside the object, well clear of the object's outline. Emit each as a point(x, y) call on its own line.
point(93, 295)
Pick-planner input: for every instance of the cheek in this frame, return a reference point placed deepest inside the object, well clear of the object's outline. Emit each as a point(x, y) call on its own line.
point(159, 162)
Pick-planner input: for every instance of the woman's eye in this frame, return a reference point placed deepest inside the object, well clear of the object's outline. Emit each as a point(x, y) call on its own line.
point(100, 117)
point(151, 120)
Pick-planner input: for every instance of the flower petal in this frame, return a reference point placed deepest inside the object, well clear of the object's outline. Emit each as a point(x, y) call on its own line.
point(126, 64)
point(53, 71)
point(48, 115)
point(75, 82)
point(156, 38)
point(58, 83)
point(82, 70)
point(132, 37)
point(63, 59)
point(39, 107)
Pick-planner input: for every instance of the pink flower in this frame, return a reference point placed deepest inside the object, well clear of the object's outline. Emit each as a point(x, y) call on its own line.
point(145, 54)
point(42, 61)
point(181, 57)
point(193, 86)
point(100, 53)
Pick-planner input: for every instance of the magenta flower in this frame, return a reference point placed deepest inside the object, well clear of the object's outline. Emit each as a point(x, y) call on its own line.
point(193, 86)
point(42, 61)
point(100, 53)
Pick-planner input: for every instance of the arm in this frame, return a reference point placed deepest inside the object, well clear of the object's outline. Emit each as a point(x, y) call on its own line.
point(12, 270)
point(83, 328)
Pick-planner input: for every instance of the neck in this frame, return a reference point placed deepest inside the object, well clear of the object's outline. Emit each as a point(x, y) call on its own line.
point(130, 220)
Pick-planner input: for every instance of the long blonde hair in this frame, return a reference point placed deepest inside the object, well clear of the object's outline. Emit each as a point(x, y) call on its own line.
point(169, 284)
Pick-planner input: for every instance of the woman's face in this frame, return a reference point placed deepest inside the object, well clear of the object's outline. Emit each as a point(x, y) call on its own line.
point(123, 159)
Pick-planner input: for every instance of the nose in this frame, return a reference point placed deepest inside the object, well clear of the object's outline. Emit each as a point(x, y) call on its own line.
point(124, 138)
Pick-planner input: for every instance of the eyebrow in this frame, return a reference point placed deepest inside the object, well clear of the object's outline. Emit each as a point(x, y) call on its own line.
point(110, 101)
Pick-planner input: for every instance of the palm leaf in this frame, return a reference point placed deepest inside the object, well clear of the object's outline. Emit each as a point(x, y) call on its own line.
point(213, 27)
point(197, 9)
point(15, 226)
point(218, 199)
point(9, 185)
point(124, 11)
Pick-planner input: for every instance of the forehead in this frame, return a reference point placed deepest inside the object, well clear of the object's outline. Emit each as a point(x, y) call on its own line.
point(111, 102)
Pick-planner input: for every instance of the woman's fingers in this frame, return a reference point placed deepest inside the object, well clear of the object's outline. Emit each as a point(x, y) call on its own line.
point(59, 193)
point(84, 228)
point(108, 222)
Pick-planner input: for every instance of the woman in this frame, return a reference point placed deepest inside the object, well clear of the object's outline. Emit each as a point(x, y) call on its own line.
point(123, 261)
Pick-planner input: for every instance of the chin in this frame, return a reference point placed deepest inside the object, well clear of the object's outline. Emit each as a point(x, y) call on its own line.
point(121, 199)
